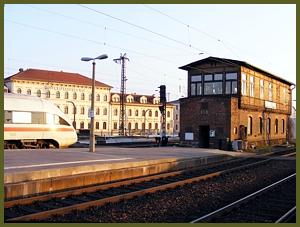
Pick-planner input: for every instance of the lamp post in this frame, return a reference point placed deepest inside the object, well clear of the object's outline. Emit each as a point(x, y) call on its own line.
point(145, 120)
point(74, 112)
point(91, 113)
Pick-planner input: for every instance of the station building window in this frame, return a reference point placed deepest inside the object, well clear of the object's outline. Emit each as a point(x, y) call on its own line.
point(82, 96)
point(105, 111)
point(213, 84)
point(260, 125)
point(244, 84)
point(168, 114)
point(168, 126)
point(66, 110)
point(38, 93)
point(82, 125)
point(105, 98)
point(129, 112)
point(156, 125)
point(74, 95)
point(48, 94)
point(249, 126)
point(104, 125)
point(150, 113)
point(67, 95)
point(269, 126)
point(231, 83)
point(115, 112)
point(115, 125)
point(28, 92)
point(97, 125)
point(57, 95)
point(98, 97)
point(98, 111)
point(156, 113)
point(270, 89)
point(136, 113)
point(276, 126)
point(283, 125)
point(82, 110)
point(196, 85)
point(136, 126)
point(251, 86)
point(150, 126)
point(261, 89)
point(19, 91)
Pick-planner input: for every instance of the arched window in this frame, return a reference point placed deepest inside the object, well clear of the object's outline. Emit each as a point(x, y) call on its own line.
point(136, 112)
point(97, 125)
point(115, 125)
point(115, 112)
point(136, 126)
point(38, 93)
point(74, 95)
point(98, 97)
point(19, 91)
point(260, 125)
point(104, 125)
point(105, 111)
point(66, 110)
point(28, 92)
point(249, 127)
point(283, 126)
point(82, 110)
point(150, 126)
point(150, 113)
point(97, 111)
point(276, 126)
point(143, 126)
point(129, 126)
point(156, 125)
point(168, 114)
point(82, 96)
point(57, 95)
point(156, 113)
point(168, 126)
point(268, 126)
point(82, 125)
point(105, 98)
point(143, 113)
point(48, 94)
point(67, 95)
point(129, 112)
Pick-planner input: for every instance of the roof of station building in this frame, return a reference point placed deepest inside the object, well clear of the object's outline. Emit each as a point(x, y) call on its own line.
point(231, 62)
point(55, 77)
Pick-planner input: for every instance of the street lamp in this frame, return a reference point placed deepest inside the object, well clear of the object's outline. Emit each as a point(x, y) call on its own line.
point(74, 112)
point(145, 120)
point(92, 131)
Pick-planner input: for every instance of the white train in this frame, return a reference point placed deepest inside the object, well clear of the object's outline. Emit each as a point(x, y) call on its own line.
point(31, 122)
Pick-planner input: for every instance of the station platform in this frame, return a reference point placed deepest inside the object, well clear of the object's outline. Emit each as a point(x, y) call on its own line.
point(30, 172)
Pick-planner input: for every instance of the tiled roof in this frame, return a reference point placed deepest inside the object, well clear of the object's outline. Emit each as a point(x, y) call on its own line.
point(55, 77)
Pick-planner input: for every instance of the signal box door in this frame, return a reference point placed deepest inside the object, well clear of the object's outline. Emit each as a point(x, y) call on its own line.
point(204, 136)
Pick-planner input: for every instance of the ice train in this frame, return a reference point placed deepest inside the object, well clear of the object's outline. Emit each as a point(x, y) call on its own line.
point(32, 122)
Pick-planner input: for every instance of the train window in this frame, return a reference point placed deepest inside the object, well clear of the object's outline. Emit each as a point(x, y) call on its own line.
point(7, 117)
point(38, 118)
point(21, 117)
point(60, 121)
point(49, 119)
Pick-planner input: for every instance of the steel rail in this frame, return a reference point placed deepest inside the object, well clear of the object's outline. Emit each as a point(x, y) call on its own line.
point(242, 200)
point(126, 196)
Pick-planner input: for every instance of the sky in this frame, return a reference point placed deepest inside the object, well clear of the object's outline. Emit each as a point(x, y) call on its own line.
point(157, 40)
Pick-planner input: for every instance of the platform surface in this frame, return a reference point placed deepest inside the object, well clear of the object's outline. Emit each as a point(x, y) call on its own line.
point(35, 159)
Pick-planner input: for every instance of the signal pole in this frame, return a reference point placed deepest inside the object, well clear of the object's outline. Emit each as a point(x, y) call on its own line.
point(162, 108)
point(122, 119)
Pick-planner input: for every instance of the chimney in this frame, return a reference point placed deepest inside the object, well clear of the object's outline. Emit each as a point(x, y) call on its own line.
point(21, 69)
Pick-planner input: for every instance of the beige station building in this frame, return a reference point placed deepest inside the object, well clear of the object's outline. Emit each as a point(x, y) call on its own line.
point(71, 92)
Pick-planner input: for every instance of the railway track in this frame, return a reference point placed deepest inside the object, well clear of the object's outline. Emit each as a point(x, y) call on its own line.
point(44, 206)
point(275, 203)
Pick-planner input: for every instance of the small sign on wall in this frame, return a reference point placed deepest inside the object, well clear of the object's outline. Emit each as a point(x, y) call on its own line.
point(189, 136)
point(212, 133)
